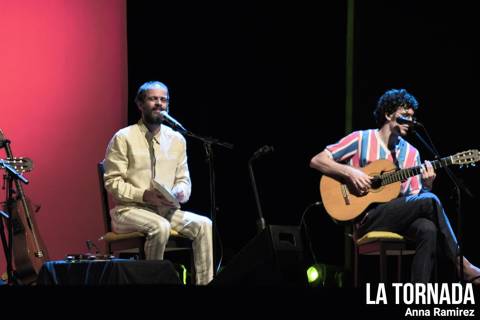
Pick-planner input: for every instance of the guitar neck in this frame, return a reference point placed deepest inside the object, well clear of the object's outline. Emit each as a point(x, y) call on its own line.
point(404, 174)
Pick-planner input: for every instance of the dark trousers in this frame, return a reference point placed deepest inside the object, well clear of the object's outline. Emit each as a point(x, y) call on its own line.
point(420, 218)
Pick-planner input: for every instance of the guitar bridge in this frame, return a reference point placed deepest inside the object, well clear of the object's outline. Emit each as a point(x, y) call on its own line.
point(345, 194)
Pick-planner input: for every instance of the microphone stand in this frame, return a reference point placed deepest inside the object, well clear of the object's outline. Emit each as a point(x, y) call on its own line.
point(261, 225)
point(8, 246)
point(458, 186)
point(208, 142)
point(11, 175)
point(261, 220)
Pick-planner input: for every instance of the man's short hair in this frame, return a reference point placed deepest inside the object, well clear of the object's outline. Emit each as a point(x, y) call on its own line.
point(140, 97)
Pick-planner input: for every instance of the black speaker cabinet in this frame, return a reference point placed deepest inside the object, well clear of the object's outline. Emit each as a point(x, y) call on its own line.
point(274, 257)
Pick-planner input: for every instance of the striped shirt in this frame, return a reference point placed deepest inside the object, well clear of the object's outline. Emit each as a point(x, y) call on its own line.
point(360, 148)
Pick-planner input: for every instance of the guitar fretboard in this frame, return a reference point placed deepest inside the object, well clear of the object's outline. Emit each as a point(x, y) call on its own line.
point(404, 174)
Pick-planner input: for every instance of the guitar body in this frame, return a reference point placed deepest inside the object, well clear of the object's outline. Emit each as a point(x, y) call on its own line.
point(26, 244)
point(342, 205)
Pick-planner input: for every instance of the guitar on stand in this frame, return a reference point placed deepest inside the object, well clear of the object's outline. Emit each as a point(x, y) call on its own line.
point(343, 205)
point(25, 252)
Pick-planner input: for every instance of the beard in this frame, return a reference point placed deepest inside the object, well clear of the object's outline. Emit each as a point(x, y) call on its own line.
point(152, 119)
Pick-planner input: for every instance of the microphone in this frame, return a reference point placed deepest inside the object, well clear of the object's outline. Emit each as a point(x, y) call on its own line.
point(404, 120)
point(262, 151)
point(172, 122)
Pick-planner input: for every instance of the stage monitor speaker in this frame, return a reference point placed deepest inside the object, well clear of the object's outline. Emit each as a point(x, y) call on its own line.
point(274, 257)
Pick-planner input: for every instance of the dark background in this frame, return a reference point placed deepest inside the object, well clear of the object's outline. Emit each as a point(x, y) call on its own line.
point(274, 73)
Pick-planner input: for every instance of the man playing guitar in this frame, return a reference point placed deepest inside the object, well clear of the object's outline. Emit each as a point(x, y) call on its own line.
point(416, 213)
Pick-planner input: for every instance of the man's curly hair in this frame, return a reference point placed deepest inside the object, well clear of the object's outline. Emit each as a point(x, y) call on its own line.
point(389, 102)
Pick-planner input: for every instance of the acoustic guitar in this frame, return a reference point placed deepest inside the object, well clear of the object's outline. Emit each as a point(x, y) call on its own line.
point(343, 205)
point(27, 247)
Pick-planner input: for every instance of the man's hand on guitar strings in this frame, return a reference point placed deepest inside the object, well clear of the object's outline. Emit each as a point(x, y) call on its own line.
point(358, 181)
point(428, 174)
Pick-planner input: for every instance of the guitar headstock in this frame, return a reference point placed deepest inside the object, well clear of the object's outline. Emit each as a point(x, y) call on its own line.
point(466, 157)
point(21, 164)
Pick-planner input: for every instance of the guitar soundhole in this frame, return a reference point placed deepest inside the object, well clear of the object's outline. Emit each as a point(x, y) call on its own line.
point(376, 182)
